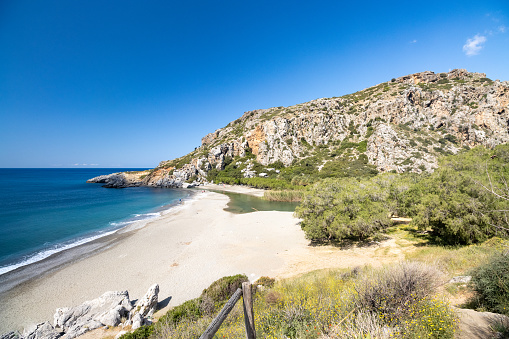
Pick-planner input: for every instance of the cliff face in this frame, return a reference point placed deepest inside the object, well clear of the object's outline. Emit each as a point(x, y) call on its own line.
point(401, 125)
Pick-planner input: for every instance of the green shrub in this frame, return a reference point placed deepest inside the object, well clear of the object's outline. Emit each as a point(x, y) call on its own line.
point(363, 145)
point(491, 282)
point(139, 333)
point(188, 310)
point(222, 289)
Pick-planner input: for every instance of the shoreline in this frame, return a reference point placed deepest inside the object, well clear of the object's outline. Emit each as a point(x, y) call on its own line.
point(53, 259)
point(183, 251)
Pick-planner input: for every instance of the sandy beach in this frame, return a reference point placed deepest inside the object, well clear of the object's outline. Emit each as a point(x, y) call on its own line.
point(183, 251)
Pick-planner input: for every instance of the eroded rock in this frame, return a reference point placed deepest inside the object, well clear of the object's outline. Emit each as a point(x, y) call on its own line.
point(107, 310)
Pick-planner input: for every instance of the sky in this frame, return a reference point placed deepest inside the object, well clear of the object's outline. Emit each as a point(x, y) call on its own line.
point(131, 83)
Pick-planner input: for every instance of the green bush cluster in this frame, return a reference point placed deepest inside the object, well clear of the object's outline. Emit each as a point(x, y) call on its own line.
point(491, 284)
point(464, 201)
point(336, 209)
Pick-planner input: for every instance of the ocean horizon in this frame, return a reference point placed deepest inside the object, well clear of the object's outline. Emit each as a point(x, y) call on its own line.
point(44, 211)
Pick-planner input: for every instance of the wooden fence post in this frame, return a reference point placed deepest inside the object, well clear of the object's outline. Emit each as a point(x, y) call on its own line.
point(216, 323)
point(248, 310)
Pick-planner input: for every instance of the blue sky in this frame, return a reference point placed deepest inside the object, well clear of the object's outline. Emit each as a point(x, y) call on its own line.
point(131, 83)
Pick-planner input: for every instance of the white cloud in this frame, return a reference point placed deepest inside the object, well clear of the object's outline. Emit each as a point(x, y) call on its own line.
point(78, 164)
point(502, 29)
point(413, 41)
point(473, 46)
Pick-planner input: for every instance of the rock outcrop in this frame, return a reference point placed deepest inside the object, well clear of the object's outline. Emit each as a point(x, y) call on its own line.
point(144, 308)
point(107, 310)
point(401, 125)
point(110, 309)
point(10, 335)
point(42, 331)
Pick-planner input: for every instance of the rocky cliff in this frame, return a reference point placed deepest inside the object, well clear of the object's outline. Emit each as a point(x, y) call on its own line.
point(400, 125)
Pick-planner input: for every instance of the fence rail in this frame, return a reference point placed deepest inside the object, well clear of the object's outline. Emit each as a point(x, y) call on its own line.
point(247, 297)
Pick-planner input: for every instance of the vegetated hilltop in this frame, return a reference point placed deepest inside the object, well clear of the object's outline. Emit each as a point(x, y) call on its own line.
point(402, 125)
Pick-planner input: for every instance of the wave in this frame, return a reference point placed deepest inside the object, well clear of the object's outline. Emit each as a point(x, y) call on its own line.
point(48, 252)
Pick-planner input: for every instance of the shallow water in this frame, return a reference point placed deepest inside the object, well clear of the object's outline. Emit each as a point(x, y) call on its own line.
point(244, 203)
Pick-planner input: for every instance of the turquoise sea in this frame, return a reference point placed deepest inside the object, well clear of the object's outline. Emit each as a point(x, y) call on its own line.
point(46, 211)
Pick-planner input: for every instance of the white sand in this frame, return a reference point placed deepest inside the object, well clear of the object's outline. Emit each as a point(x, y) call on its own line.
point(184, 252)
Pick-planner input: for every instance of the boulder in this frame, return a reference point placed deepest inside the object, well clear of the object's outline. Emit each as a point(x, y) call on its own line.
point(147, 305)
point(107, 310)
point(41, 331)
point(144, 308)
point(137, 321)
point(461, 279)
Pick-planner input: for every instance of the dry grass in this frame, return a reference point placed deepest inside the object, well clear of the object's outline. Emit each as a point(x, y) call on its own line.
point(288, 196)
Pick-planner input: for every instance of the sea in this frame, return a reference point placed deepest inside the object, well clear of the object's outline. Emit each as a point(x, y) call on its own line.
point(44, 212)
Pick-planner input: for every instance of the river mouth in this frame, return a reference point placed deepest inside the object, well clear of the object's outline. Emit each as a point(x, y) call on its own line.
point(244, 203)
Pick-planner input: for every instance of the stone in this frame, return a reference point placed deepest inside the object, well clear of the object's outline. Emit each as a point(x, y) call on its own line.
point(42, 331)
point(461, 279)
point(10, 335)
point(137, 321)
point(147, 305)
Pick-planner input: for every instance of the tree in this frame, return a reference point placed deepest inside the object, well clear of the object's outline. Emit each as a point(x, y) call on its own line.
point(337, 209)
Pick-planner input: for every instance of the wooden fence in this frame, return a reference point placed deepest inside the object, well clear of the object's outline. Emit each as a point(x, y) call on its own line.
point(247, 296)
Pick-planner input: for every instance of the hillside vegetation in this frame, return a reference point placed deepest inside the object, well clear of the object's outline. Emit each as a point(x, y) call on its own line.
point(402, 125)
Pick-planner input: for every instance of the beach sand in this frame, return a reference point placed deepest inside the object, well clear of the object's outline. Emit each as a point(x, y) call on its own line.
point(184, 251)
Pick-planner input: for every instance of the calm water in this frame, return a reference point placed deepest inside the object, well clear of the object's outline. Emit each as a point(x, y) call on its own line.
point(243, 203)
point(44, 211)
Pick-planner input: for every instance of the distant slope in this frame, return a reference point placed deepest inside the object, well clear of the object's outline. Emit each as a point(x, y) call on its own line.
point(401, 125)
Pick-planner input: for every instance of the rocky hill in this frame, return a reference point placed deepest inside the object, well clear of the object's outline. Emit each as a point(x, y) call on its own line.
point(401, 125)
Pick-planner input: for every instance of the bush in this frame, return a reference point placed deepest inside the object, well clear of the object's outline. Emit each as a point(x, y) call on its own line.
point(222, 289)
point(393, 290)
point(491, 282)
point(139, 333)
point(266, 281)
point(345, 209)
point(188, 310)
